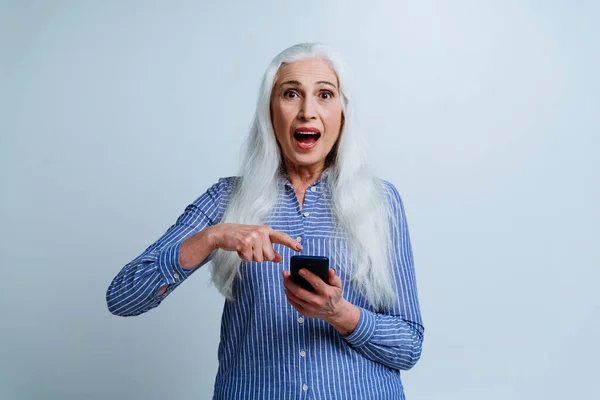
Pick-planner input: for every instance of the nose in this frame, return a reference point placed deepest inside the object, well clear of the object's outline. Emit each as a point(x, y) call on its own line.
point(308, 109)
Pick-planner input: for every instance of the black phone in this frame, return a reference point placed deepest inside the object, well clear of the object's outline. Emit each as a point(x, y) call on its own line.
point(316, 264)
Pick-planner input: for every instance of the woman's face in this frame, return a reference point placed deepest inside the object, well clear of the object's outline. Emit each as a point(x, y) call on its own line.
point(306, 111)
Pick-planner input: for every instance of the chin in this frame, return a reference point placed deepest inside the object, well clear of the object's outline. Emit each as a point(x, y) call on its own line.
point(308, 161)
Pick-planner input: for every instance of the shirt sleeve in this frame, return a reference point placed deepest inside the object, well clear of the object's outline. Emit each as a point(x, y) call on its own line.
point(394, 337)
point(135, 288)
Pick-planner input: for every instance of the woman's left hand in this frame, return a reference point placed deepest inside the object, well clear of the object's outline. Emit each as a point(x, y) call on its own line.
point(326, 303)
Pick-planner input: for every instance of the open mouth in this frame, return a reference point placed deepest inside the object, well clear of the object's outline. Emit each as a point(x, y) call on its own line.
point(306, 139)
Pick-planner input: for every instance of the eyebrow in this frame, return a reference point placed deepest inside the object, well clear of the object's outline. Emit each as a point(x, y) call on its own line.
point(298, 83)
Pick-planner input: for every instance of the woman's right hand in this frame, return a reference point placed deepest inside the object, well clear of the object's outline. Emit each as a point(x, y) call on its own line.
point(251, 242)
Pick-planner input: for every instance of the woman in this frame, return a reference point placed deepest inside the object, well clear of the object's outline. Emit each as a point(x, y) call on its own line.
point(304, 189)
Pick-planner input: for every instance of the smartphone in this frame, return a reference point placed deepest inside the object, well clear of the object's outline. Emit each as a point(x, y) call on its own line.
point(315, 264)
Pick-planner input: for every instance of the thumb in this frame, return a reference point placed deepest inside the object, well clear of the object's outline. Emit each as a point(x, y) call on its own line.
point(334, 280)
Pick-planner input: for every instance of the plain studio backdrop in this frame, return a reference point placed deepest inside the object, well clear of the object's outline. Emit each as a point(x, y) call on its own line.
point(116, 115)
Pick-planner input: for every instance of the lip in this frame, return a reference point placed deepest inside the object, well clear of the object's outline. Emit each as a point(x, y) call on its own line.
point(307, 129)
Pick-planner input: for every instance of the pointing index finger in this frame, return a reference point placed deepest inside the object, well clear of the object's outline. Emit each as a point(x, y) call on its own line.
point(283, 238)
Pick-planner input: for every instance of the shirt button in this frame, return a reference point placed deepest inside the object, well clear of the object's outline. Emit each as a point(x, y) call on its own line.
point(306, 214)
point(305, 387)
point(301, 320)
point(298, 239)
point(302, 353)
point(176, 275)
point(313, 189)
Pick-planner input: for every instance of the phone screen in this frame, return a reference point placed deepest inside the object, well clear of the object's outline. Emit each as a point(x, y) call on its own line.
point(316, 264)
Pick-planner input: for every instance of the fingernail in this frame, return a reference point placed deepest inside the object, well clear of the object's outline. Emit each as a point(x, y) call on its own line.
point(302, 272)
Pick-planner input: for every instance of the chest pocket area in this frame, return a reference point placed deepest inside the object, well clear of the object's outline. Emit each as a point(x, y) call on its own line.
point(260, 279)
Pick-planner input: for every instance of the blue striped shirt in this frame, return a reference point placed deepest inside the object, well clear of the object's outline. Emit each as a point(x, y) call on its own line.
point(267, 349)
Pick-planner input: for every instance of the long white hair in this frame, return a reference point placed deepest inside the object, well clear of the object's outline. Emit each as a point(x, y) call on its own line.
point(358, 199)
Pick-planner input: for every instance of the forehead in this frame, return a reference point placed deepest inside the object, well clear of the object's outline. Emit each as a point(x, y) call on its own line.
point(307, 71)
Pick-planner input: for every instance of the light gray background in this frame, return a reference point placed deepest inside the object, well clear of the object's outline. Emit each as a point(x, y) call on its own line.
point(116, 115)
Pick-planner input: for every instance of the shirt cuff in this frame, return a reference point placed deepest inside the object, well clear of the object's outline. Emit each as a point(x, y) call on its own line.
point(364, 329)
point(168, 265)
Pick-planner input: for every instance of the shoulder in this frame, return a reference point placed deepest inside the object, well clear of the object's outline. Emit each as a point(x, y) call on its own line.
point(213, 202)
point(395, 204)
point(226, 184)
point(220, 190)
point(390, 192)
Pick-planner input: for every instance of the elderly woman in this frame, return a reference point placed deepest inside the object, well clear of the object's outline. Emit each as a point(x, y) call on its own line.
point(305, 188)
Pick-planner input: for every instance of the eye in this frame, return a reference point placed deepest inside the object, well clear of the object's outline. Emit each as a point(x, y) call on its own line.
point(326, 95)
point(291, 94)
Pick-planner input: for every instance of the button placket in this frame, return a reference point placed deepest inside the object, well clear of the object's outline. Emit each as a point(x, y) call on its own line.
point(304, 378)
point(309, 201)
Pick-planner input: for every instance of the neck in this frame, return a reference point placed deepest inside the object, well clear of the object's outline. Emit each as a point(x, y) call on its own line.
point(302, 177)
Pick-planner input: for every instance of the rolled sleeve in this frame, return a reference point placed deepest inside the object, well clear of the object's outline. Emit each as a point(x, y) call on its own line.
point(169, 267)
point(364, 330)
point(393, 336)
point(134, 290)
